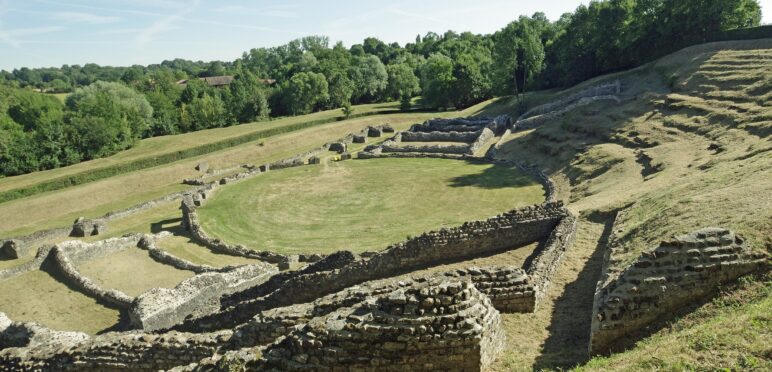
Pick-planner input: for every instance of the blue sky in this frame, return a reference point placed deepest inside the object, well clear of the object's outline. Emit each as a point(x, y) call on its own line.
point(37, 33)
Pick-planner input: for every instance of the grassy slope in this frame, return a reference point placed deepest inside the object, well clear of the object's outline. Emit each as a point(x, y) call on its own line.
point(672, 111)
point(363, 204)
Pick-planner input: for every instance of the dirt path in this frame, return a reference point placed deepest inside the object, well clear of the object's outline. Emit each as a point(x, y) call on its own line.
point(557, 334)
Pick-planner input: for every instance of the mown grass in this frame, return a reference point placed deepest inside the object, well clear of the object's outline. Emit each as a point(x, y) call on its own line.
point(362, 205)
point(164, 150)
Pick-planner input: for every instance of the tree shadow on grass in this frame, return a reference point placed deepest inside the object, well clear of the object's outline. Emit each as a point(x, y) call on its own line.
point(569, 333)
point(497, 176)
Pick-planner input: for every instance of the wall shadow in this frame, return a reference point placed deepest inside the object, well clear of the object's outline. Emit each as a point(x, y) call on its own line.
point(172, 225)
point(496, 177)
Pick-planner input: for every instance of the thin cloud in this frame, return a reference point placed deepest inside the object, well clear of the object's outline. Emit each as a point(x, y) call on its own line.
point(266, 12)
point(164, 24)
point(80, 17)
point(11, 37)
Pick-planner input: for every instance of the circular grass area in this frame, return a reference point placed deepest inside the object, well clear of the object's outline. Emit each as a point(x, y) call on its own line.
point(362, 205)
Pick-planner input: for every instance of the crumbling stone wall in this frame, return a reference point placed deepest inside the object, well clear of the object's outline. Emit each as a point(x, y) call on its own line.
point(422, 326)
point(506, 231)
point(601, 90)
point(485, 136)
point(544, 264)
point(147, 243)
point(664, 279)
point(437, 136)
point(391, 146)
point(470, 124)
point(72, 276)
point(161, 308)
point(83, 227)
point(49, 350)
point(510, 289)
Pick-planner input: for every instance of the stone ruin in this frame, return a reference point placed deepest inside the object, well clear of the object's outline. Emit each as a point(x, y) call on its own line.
point(449, 138)
point(663, 280)
point(83, 227)
point(346, 312)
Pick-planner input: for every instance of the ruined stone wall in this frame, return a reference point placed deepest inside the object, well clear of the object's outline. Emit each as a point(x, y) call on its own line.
point(72, 276)
point(544, 264)
point(510, 289)
point(35, 264)
point(391, 146)
point(663, 280)
point(161, 308)
point(470, 124)
point(70, 351)
point(535, 121)
point(485, 136)
point(508, 230)
point(467, 137)
point(159, 255)
point(605, 89)
point(423, 326)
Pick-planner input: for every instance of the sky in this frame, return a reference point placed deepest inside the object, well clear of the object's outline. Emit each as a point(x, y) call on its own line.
point(44, 33)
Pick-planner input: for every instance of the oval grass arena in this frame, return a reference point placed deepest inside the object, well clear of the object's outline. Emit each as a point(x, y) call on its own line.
point(362, 205)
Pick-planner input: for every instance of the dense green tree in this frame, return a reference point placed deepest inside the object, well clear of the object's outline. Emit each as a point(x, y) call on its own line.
point(207, 111)
point(370, 78)
point(403, 83)
point(437, 81)
point(304, 91)
point(247, 101)
point(125, 103)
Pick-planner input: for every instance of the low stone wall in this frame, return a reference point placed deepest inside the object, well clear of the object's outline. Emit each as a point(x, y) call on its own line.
point(509, 289)
point(35, 264)
point(190, 222)
point(470, 124)
point(65, 256)
point(49, 350)
point(385, 155)
point(466, 137)
point(21, 334)
point(665, 279)
point(485, 136)
point(161, 308)
point(148, 243)
point(391, 146)
point(428, 326)
point(544, 264)
point(535, 121)
point(605, 89)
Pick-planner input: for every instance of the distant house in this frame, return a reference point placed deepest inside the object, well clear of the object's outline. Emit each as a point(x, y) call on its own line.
point(222, 81)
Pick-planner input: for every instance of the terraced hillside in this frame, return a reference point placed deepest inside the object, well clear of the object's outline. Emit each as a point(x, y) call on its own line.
point(688, 147)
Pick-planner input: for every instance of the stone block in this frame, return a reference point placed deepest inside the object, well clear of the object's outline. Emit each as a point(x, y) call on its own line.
point(359, 138)
point(374, 132)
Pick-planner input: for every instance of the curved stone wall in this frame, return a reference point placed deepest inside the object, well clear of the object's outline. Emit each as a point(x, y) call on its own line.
point(604, 89)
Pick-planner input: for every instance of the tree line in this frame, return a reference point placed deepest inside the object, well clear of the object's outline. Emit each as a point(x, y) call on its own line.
point(110, 108)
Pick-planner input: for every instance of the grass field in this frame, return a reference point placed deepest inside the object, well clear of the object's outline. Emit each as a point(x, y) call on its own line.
point(39, 297)
point(362, 205)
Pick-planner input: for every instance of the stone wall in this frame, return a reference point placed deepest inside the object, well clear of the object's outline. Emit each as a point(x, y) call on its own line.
point(470, 124)
point(72, 276)
point(485, 136)
point(159, 255)
point(604, 89)
point(472, 239)
point(509, 289)
point(549, 255)
point(426, 326)
point(664, 280)
point(163, 307)
point(436, 136)
point(391, 146)
point(535, 121)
